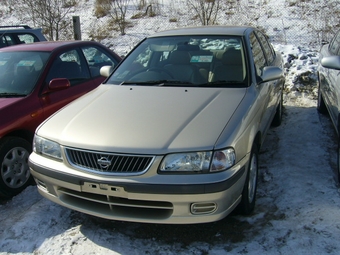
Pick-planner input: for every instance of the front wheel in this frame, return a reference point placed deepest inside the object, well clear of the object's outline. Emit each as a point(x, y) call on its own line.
point(14, 171)
point(247, 203)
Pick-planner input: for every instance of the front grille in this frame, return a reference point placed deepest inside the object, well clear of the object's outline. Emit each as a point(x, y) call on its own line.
point(108, 163)
point(115, 207)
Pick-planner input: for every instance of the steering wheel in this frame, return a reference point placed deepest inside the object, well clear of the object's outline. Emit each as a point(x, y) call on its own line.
point(160, 70)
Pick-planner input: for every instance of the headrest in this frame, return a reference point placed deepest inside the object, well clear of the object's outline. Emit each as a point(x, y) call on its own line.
point(179, 58)
point(188, 47)
point(232, 57)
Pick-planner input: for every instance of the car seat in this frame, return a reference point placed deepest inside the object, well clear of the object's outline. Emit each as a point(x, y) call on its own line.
point(180, 67)
point(231, 68)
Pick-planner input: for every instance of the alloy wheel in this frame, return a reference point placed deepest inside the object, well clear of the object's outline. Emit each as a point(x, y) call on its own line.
point(14, 169)
point(252, 178)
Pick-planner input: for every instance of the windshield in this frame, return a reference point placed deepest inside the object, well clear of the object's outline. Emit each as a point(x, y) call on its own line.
point(19, 72)
point(184, 61)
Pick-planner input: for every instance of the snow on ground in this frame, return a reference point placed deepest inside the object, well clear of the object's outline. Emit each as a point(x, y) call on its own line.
point(298, 200)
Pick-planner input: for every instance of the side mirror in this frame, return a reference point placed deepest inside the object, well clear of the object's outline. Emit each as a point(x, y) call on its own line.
point(270, 73)
point(59, 84)
point(332, 62)
point(106, 70)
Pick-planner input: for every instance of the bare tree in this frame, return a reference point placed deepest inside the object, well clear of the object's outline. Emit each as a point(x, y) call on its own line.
point(102, 8)
point(50, 15)
point(118, 13)
point(205, 10)
point(116, 10)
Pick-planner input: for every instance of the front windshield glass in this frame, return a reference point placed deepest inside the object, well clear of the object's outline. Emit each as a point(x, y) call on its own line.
point(185, 61)
point(19, 72)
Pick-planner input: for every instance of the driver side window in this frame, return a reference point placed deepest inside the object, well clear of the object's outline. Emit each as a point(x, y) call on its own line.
point(70, 66)
point(97, 58)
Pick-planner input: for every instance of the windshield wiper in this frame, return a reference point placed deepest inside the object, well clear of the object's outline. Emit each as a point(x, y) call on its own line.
point(163, 83)
point(12, 95)
point(158, 83)
point(152, 83)
point(221, 83)
point(177, 83)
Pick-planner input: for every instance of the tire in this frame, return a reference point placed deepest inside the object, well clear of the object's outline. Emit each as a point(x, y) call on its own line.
point(321, 106)
point(247, 204)
point(338, 151)
point(14, 170)
point(338, 160)
point(277, 120)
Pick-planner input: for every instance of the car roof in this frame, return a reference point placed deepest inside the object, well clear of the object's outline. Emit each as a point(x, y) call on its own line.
point(46, 46)
point(15, 28)
point(22, 30)
point(205, 30)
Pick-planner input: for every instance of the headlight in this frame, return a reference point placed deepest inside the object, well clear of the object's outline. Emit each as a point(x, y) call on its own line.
point(194, 161)
point(198, 161)
point(46, 147)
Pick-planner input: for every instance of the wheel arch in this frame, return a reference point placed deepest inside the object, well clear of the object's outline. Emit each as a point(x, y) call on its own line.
point(24, 134)
point(258, 140)
point(338, 126)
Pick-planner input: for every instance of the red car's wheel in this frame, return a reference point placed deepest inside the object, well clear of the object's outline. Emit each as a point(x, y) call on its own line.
point(14, 171)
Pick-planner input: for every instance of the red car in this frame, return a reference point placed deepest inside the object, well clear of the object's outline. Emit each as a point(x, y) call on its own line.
point(36, 80)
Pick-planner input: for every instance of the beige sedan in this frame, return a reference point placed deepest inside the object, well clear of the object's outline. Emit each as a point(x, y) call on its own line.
point(173, 134)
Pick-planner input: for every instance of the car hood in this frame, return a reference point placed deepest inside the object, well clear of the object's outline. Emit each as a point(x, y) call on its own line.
point(8, 101)
point(144, 120)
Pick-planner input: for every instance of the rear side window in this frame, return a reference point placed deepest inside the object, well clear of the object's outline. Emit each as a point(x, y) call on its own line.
point(6, 40)
point(258, 55)
point(268, 49)
point(27, 38)
point(334, 46)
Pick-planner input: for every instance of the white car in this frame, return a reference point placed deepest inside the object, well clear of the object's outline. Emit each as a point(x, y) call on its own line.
point(329, 86)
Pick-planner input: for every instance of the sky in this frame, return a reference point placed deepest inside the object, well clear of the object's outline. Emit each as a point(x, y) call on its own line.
point(297, 209)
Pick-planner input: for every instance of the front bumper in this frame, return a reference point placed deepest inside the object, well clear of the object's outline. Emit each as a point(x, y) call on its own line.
point(139, 200)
